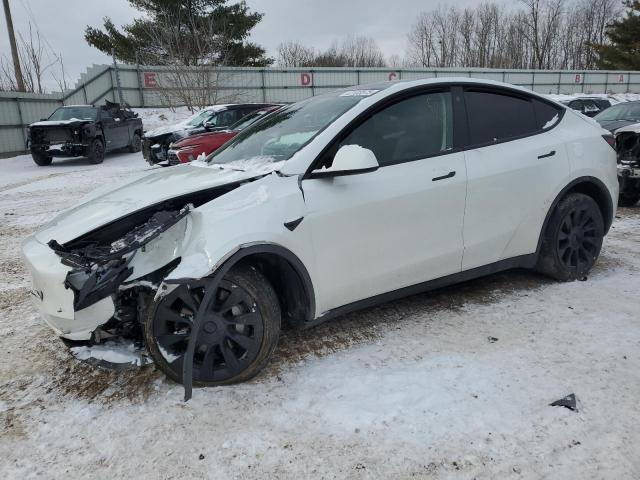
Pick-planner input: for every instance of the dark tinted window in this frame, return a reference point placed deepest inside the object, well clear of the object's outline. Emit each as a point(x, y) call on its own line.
point(415, 128)
point(496, 117)
point(576, 105)
point(547, 115)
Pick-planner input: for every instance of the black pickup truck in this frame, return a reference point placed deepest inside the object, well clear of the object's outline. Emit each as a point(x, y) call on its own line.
point(85, 131)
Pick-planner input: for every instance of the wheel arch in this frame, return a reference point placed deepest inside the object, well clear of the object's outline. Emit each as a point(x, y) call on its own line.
point(286, 273)
point(590, 186)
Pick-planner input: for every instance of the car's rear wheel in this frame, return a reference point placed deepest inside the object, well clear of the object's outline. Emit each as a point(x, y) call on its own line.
point(573, 238)
point(41, 160)
point(628, 199)
point(237, 337)
point(96, 151)
point(136, 143)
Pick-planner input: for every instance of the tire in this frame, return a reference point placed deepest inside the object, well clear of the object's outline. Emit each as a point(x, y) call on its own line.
point(136, 143)
point(96, 151)
point(573, 238)
point(227, 351)
point(628, 199)
point(41, 160)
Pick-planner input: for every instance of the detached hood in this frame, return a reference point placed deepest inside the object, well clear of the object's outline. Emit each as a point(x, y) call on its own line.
point(161, 185)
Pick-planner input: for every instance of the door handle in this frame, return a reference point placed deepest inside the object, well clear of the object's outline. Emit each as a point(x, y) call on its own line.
point(443, 177)
point(547, 155)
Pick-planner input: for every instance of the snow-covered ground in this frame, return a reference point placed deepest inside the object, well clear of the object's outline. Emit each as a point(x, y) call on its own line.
point(451, 384)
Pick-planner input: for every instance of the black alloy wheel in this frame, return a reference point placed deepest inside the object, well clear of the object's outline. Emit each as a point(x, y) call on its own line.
point(237, 334)
point(573, 238)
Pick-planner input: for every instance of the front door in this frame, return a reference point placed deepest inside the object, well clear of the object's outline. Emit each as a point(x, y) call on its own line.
point(400, 225)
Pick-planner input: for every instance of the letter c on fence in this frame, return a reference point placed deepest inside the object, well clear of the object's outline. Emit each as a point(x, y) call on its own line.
point(393, 76)
point(306, 79)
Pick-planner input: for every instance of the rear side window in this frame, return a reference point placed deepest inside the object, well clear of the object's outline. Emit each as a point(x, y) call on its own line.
point(547, 115)
point(495, 117)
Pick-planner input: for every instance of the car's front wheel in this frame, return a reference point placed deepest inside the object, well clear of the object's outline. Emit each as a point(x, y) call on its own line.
point(573, 238)
point(237, 336)
point(96, 151)
point(136, 143)
point(41, 160)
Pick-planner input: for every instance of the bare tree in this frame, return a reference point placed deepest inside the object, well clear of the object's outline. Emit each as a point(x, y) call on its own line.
point(294, 54)
point(192, 73)
point(37, 65)
point(352, 51)
point(361, 51)
point(528, 34)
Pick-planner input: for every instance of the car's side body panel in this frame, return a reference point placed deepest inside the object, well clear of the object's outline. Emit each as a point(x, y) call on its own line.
point(505, 208)
point(385, 230)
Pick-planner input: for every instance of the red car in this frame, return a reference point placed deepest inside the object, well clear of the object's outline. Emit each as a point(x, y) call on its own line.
point(189, 148)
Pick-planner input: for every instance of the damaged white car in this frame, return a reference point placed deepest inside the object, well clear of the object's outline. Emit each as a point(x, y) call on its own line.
point(334, 203)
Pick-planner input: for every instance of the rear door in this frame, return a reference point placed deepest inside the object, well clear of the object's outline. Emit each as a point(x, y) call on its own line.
point(514, 159)
point(400, 225)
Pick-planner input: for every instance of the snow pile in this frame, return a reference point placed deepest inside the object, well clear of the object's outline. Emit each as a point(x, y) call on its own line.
point(153, 118)
point(614, 98)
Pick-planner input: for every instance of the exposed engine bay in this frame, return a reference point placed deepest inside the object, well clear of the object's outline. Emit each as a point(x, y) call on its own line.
point(115, 263)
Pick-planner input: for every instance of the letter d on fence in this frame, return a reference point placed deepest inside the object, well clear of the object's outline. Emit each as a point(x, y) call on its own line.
point(306, 79)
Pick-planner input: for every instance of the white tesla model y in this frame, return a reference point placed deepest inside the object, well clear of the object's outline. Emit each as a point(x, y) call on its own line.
point(337, 202)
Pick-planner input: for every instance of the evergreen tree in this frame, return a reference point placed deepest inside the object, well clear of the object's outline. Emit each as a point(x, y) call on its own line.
point(186, 32)
point(623, 53)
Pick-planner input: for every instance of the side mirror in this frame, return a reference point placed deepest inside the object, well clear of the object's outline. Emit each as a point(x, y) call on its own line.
point(349, 160)
point(209, 126)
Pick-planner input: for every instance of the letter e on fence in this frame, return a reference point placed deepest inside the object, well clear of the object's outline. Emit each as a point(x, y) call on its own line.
point(578, 78)
point(306, 79)
point(393, 76)
point(150, 80)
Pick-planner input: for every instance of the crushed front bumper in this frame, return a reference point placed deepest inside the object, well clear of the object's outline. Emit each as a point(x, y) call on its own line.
point(55, 301)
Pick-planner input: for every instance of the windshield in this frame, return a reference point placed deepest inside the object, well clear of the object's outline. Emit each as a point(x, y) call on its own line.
point(247, 120)
point(622, 111)
point(75, 113)
point(280, 135)
point(199, 118)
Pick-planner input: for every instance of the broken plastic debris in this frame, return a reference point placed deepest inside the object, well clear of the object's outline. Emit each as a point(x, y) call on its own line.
point(112, 354)
point(492, 339)
point(569, 402)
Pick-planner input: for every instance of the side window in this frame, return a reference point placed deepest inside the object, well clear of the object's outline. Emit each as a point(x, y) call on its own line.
point(226, 118)
point(414, 128)
point(576, 105)
point(547, 115)
point(495, 117)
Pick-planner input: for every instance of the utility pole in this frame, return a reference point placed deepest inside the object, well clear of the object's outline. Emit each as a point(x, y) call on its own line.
point(14, 47)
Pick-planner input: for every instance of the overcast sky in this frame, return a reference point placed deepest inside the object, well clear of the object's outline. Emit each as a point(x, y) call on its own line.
point(313, 22)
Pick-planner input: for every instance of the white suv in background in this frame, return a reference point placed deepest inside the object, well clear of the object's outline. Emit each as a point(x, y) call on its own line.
point(331, 204)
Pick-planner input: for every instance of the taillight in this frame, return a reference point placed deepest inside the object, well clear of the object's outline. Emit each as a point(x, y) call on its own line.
point(610, 139)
